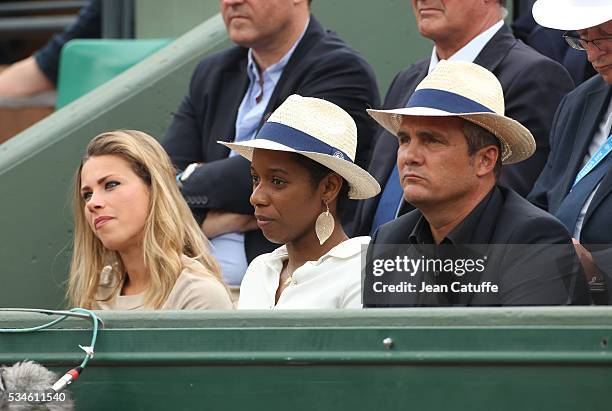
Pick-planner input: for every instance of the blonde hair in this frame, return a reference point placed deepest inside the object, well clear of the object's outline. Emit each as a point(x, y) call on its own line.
point(170, 229)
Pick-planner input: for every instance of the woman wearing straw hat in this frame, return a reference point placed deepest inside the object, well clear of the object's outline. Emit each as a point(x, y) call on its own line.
point(302, 164)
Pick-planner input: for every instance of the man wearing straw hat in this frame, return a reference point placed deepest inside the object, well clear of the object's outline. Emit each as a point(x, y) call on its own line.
point(453, 139)
point(576, 184)
point(474, 31)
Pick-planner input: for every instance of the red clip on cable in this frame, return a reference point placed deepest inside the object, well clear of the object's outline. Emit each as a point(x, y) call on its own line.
point(67, 379)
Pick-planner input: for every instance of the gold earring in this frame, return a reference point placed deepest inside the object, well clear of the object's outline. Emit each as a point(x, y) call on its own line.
point(324, 225)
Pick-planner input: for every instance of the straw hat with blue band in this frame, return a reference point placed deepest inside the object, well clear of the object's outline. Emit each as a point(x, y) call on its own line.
point(469, 91)
point(319, 130)
point(572, 14)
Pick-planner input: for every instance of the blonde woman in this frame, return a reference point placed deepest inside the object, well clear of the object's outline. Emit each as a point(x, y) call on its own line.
point(136, 244)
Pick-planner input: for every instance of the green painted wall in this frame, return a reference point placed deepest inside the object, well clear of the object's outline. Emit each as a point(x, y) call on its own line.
point(441, 359)
point(37, 166)
point(383, 31)
point(166, 19)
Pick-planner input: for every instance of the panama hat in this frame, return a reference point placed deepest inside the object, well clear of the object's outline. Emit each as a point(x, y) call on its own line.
point(572, 14)
point(469, 91)
point(319, 130)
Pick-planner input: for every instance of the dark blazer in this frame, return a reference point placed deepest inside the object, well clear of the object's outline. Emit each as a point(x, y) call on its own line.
point(525, 277)
point(551, 43)
point(576, 121)
point(322, 65)
point(533, 87)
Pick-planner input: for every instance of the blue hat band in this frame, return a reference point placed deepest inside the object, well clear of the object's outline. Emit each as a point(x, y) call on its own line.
point(297, 140)
point(445, 101)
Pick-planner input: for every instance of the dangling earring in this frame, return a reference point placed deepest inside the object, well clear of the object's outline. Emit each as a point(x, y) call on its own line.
point(324, 225)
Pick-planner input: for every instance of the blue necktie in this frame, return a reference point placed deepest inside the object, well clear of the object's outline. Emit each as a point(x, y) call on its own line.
point(569, 211)
point(389, 201)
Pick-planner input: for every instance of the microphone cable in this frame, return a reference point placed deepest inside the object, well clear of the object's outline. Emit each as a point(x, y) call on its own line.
point(70, 376)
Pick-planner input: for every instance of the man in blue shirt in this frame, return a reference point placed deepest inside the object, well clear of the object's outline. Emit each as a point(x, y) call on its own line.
point(281, 50)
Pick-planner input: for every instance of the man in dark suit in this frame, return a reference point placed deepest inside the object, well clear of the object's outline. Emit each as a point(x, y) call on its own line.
point(281, 50)
point(470, 30)
point(576, 183)
point(453, 138)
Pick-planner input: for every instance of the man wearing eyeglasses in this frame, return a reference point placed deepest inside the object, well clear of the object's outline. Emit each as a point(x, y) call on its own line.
point(576, 183)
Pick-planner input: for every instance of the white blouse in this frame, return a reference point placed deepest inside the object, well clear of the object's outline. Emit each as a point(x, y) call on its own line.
point(333, 281)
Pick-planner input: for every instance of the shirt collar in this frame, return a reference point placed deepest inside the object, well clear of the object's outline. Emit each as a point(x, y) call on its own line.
point(275, 70)
point(348, 248)
point(470, 51)
point(344, 250)
point(463, 233)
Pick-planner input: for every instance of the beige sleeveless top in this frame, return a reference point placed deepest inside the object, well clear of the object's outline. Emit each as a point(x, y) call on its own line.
point(191, 291)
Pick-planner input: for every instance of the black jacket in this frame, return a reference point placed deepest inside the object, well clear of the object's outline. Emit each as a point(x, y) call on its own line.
point(576, 121)
point(516, 238)
point(322, 66)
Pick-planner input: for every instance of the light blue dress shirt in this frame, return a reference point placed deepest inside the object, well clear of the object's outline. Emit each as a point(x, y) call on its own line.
point(228, 248)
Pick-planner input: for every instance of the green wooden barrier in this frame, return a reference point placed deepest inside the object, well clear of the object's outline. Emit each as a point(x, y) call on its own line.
point(439, 359)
